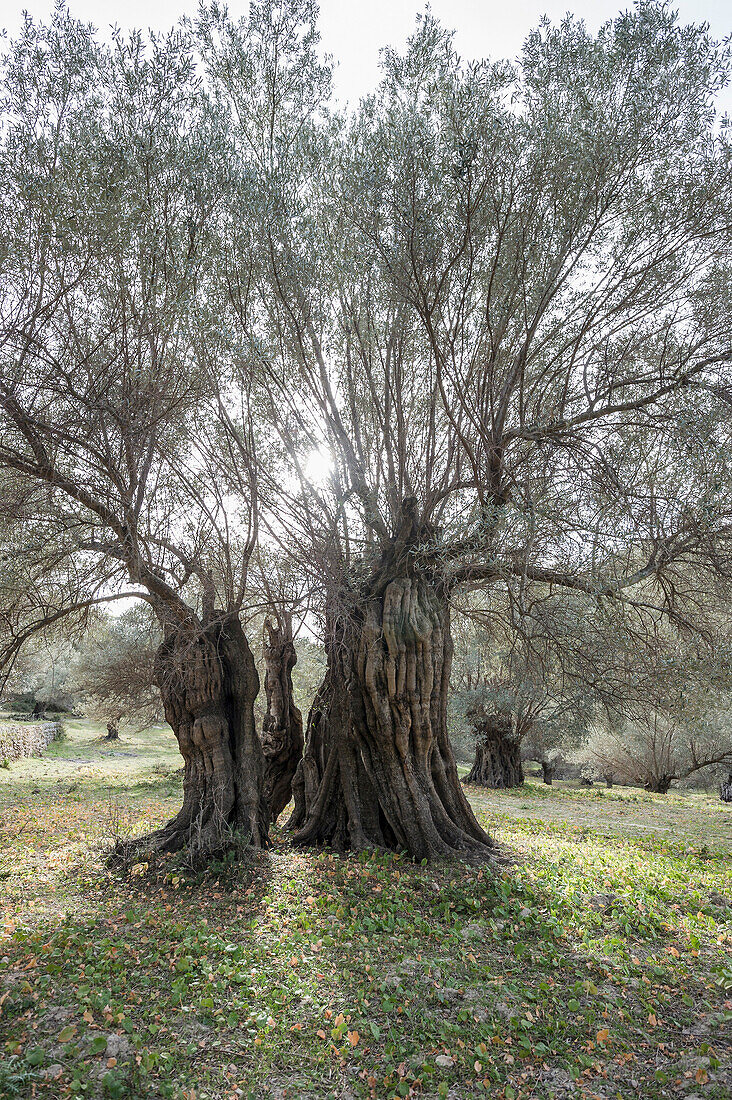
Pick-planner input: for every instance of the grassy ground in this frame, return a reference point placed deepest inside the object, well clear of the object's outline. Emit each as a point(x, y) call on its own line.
point(599, 963)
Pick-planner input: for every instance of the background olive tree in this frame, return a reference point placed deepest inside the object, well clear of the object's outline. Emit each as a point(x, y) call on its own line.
point(112, 675)
point(678, 730)
point(528, 686)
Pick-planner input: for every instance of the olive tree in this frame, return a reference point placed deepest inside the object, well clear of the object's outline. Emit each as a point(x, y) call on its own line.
point(679, 729)
point(496, 299)
point(112, 674)
point(113, 437)
point(515, 685)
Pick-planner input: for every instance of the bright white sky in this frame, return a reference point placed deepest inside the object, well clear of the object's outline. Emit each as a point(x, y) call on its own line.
point(353, 31)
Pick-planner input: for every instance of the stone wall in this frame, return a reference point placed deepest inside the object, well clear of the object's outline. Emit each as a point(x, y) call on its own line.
point(27, 738)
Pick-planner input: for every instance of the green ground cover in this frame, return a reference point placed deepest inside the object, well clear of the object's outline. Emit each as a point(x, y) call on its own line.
point(597, 962)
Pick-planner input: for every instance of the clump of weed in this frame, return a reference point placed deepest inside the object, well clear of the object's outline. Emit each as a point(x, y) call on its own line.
point(222, 853)
point(164, 769)
point(17, 1076)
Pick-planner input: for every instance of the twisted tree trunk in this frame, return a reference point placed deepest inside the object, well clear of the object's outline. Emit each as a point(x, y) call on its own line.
point(282, 736)
point(311, 768)
point(209, 682)
point(378, 769)
point(497, 761)
point(659, 784)
point(548, 769)
point(335, 802)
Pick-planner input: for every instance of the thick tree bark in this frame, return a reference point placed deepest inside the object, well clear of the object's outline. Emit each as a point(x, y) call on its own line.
point(497, 752)
point(378, 769)
point(548, 770)
point(311, 769)
point(209, 682)
point(335, 802)
point(660, 784)
point(282, 735)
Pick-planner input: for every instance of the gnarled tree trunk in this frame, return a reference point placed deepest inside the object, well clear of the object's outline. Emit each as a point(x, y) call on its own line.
point(548, 769)
point(378, 769)
point(209, 682)
point(497, 752)
point(659, 784)
point(282, 736)
point(335, 802)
